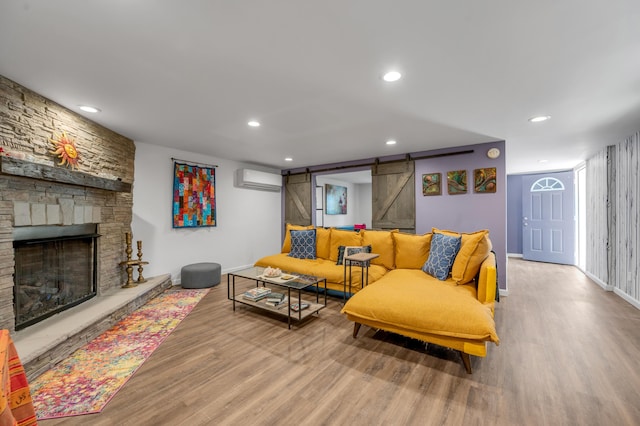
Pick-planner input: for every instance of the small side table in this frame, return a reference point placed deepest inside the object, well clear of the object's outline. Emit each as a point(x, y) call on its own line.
point(363, 260)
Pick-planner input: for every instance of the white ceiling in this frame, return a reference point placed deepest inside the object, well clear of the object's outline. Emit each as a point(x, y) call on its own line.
point(190, 74)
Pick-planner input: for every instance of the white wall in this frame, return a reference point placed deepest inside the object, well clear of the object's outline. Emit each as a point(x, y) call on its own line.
point(248, 221)
point(364, 202)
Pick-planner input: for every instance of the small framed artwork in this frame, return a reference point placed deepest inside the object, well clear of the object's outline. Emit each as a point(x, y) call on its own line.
point(457, 182)
point(484, 180)
point(335, 199)
point(432, 184)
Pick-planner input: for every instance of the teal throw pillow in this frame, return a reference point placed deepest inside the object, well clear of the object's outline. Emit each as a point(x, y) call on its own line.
point(444, 249)
point(303, 244)
point(351, 250)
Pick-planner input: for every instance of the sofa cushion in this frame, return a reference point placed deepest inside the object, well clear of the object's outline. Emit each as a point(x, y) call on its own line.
point(286, 244)
point(323, 242)
point(341, 237)
point(335, 274)
point(411, 250)
point(442, 253)
point(474, 249)
point(303, 244)
point(349, 250)
point(381, 242)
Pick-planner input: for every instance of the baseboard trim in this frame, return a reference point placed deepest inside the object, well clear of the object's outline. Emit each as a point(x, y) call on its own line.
point(518, 255)
point(237, 268)
point(625, 296)
point(597, 280)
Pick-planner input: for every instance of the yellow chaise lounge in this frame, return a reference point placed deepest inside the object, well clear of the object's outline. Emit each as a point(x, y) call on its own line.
point(411, 303)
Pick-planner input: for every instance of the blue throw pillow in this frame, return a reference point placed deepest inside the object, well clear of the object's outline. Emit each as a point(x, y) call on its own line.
point(303, 244)
point(444, 249)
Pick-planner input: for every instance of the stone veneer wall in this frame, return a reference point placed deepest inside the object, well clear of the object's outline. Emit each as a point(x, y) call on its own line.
point(27, 122)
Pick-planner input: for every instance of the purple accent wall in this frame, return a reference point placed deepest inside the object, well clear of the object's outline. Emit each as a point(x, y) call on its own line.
point(463, 213)
point(514, 214)
point(466, 212)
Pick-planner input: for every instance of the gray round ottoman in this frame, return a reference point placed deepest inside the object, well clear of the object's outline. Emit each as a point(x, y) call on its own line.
point(200, 275)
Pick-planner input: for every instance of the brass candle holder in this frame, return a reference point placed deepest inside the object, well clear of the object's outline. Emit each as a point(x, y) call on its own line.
point(129, 263)
point(141, 279)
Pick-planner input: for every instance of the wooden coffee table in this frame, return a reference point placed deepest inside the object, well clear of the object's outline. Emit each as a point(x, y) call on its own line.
point(295, 286)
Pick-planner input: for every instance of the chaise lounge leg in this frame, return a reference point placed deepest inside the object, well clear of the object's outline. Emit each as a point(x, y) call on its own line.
point(466, 360)
point(356, 328)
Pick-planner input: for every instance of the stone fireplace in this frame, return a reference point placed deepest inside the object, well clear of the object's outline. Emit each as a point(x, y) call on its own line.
point(51, 215)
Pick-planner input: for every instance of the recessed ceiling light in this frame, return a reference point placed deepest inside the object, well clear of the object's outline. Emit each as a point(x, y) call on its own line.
point(391, 142)
point(539, 118)
point(288, 159)
point(254, 123)
point(88, 108)
point(392, 76)
point(542, 161)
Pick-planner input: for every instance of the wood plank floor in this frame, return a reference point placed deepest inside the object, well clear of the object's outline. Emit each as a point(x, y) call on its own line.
point(569, 355)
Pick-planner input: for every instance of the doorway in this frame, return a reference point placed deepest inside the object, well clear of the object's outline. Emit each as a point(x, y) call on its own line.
point(357, 185)
point(548, 222)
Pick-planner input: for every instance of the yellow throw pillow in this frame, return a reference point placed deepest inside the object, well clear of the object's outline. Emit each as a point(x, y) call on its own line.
point(286, 244)
point(323, 242)
point(474, 249)
point(340, 237)
point(411, 250)
point(381, 242)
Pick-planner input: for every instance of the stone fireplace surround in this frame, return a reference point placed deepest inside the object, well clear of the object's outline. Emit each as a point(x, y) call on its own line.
point(35, 190)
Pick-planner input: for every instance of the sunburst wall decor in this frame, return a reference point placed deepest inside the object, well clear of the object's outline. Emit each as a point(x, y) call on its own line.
point(65, 149)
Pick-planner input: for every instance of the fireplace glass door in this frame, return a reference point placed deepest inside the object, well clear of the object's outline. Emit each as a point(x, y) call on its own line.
point(52, 275)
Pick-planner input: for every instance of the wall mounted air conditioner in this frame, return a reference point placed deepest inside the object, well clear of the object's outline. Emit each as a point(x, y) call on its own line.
point(253, 179)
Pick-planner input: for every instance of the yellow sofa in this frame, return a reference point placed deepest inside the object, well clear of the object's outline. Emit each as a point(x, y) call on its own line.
point(456, 312)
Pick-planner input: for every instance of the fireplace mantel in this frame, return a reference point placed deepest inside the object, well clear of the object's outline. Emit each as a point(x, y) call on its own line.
point(16, 167)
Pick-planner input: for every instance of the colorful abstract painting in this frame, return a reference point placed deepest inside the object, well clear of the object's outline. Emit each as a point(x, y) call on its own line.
point(484, 180)
point(457, 182)
point(194, 196)
point(432, 184)
point(336, 199)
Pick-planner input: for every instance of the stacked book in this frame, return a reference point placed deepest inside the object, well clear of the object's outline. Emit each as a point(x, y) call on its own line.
point(256, 293)
point(276, 299)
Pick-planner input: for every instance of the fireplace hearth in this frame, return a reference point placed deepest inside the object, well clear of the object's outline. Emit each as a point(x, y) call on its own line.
point(55, 269)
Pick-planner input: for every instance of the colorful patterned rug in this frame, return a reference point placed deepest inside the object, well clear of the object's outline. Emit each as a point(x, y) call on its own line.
point(87, 380)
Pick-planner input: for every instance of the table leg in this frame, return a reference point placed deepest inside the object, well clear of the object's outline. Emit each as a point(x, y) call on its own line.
point(289, 308)
point(234, 292)
point(344, 282)
point(325, 292)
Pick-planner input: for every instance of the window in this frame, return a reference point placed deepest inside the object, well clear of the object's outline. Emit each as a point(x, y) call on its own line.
point(547, 184)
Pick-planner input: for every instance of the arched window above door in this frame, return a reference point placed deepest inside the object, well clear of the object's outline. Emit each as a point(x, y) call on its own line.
point(547, 184)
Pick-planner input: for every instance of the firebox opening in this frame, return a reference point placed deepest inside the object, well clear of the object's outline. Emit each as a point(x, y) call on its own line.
point(55, 269)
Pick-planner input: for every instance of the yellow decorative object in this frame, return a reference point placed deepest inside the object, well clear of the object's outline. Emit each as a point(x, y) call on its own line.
point(474, 249)
point(381, 242)
point(340, 237)
point(323, 242)
point(65, 149)
point(411, 250)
